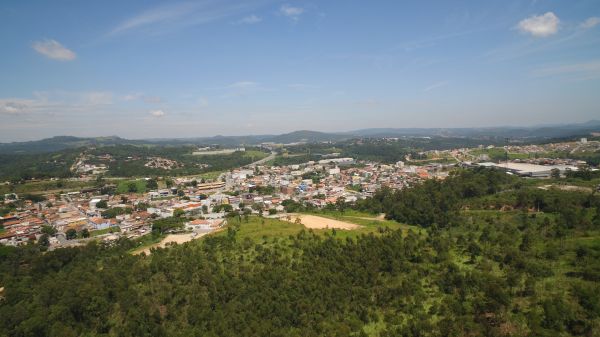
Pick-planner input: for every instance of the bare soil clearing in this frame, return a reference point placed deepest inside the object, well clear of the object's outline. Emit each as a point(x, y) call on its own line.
point(170, 239)
point(318, 222)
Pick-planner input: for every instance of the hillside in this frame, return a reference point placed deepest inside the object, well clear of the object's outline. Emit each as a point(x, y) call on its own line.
point(466, 268)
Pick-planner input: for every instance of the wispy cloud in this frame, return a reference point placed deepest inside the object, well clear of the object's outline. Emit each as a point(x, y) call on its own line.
point(436, 85)
point(291, 12)
point(54, 50)
point(52, 102)
point(540, 25)
point(97, 98)
point(302, 86)
point(152, 99)
point(590, 22)
point(157, 113)
point(15, 106)
point(182, 14)
point(132, 96)
point(243, 85)
point(249, 20)
point(241, 89)
point(202, 102)
point(582, 71)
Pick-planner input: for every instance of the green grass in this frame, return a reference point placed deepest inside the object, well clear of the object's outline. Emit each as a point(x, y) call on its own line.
point(258, 228)
point(122, 186)
point(255, 154)
point(105, 231)
point(145, 241)
point(370, 222)
point(499, 153)
point(46, 186)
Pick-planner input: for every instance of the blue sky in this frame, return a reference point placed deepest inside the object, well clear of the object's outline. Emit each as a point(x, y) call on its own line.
point(149, 69)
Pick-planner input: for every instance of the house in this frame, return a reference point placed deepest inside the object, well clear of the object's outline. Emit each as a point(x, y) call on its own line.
point(199, 224)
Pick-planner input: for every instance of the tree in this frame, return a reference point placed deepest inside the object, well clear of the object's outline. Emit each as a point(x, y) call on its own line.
point(340, 204)
point(555, 173)
point(71, 234)
point(178, 213)
point(151, 184)
point(49, 230)
point(169, 183)
point(102, 204)
point(44, 240)
point(85, 233)
point(132, 187)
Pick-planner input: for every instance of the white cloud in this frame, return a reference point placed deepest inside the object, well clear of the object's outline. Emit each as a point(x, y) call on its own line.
point(15, 106)
point(202, 102)
point(54, 50)
point(97, 98)
point(243, 85)
point(302, 86)
point(152, 99)
point(176, 15)
point(157, 113)
point(436, 85)
point(250, 20)
point(133, 96)
point(540, 25)
point(291, 12)
point(590, 22)
point(584, 70)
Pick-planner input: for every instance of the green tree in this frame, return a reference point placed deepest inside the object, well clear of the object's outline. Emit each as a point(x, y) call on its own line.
point(48, 230)
point(102, 204)
point(152, 184)
point(178, 213)
point(44, 240)
point(71, 234)
point(132, 187)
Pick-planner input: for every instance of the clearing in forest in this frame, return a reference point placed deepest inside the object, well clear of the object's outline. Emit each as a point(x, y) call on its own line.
point(319, 222)
point(170, 239)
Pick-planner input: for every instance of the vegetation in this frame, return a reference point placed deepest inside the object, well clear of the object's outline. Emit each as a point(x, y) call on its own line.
point(17, 167)
point(130, 160)
point(493, 257)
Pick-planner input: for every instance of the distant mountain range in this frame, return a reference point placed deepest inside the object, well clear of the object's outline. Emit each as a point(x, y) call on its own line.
point(534, 133)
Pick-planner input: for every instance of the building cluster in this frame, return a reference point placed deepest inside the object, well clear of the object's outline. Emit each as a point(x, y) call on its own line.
point(255, 189)
point(260, 190)
point(162, 163)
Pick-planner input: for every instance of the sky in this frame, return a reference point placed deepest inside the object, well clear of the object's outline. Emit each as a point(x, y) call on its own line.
point(159, 69)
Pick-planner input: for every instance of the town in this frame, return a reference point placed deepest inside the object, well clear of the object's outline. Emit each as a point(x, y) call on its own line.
point(102, 213)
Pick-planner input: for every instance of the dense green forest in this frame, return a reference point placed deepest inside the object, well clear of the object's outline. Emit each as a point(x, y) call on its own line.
point(42, 165)
point(128, 161)
point(491, 257)
point(375, 149)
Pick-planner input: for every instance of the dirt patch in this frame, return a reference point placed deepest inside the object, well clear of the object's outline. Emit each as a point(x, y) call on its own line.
point(567, 188)
point(319, 222)
point(170, 239)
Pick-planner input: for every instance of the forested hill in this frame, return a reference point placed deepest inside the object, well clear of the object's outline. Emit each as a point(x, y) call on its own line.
point(484, 262)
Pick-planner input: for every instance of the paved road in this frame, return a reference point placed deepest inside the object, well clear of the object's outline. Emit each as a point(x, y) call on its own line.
point(264, 160)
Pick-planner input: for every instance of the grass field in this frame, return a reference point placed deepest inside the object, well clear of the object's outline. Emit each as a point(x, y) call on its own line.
point(123, 186)
point(498, 153)
point(46, 186)
point(105, 231)
point(257, 228)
